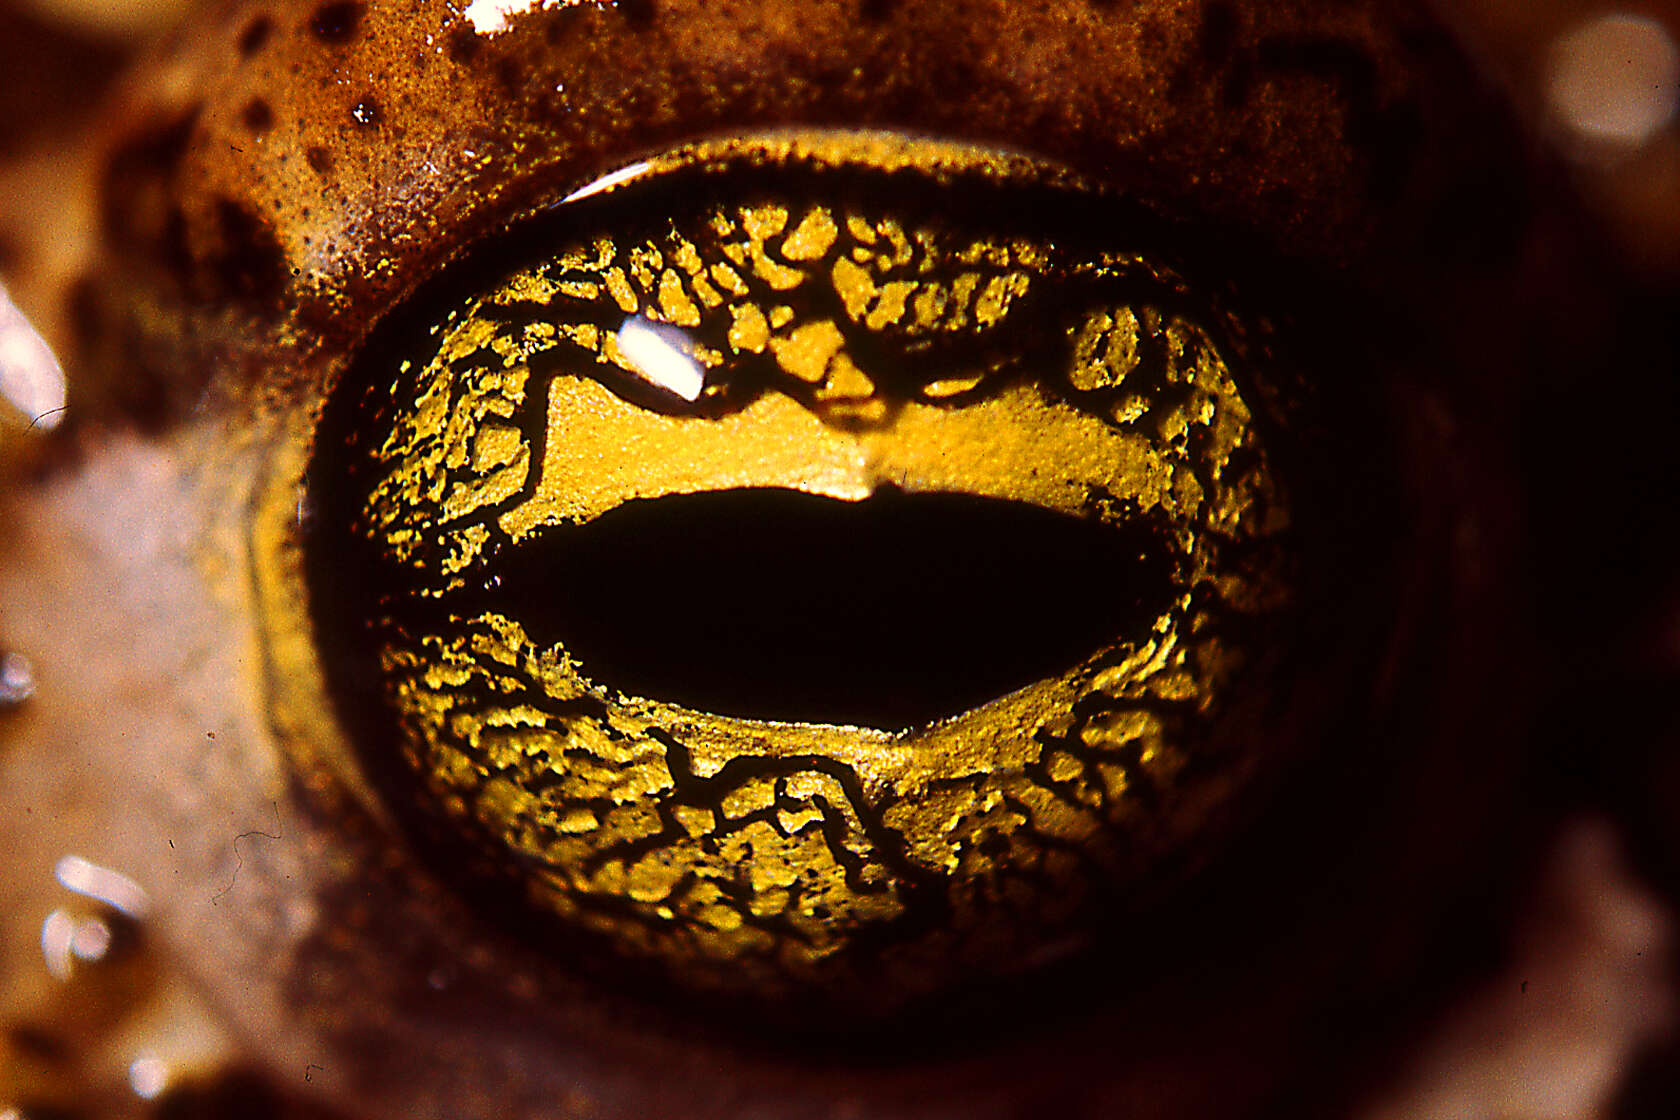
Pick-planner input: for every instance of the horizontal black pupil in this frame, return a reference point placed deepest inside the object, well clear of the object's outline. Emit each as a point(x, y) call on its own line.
point(889, 612)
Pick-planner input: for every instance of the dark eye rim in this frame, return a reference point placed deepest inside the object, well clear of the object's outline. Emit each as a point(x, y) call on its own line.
point(1065, 993)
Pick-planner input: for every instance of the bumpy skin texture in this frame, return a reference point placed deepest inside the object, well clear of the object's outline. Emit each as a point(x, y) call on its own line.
point(288, 173)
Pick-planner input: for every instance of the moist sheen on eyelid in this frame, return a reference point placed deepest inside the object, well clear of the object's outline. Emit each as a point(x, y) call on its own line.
point(737, 325)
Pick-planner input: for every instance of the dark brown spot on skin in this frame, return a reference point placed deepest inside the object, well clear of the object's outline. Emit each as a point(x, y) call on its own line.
point(173, 247)
point(367, 112)
point(878, 11)
point(463, 45)
point(138, 179)
point(320, 160)
point(82, 309)
point(40, 1044)
point(336, 22)
point(157, 149)
point(250, 263)
point(9, 253)
point(255, 36)
point(258, 117)
point(636, 11)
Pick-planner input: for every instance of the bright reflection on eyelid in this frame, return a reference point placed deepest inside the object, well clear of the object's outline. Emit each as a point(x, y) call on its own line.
point(491, 17)
point(608, 182)
point(1613, 79)
point(660, 354)
point(103, 885)
point(31, 379)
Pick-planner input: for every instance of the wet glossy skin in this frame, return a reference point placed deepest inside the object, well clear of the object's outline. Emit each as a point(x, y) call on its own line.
point(287, 176)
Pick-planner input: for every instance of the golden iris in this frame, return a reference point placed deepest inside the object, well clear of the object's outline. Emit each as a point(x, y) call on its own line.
point(833, 379)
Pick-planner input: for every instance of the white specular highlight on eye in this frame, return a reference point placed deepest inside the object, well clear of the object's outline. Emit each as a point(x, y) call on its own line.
point(660, 354)
point(31, 379)
point(1615, 79)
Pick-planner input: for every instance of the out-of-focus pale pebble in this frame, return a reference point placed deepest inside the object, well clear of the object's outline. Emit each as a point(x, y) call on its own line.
point(1588, 985)
point(1614, 79)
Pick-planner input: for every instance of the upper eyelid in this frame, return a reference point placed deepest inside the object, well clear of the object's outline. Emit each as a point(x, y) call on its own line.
point(303, 220)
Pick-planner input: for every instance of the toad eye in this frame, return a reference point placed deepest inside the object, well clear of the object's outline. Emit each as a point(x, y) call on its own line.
point(830, 562)
point(973, 573)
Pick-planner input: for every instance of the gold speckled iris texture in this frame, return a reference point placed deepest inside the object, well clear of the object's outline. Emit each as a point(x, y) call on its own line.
point(804, 314)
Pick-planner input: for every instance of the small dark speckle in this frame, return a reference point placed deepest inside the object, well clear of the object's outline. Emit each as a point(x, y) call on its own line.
point(463, 45)
point(366, 111)
point(1525, 987)
point(636, 11)
point(209, 734)
point(255, 36)
point(258, 117)
point(877, 11)
point(320, 160)
point(336, 22)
